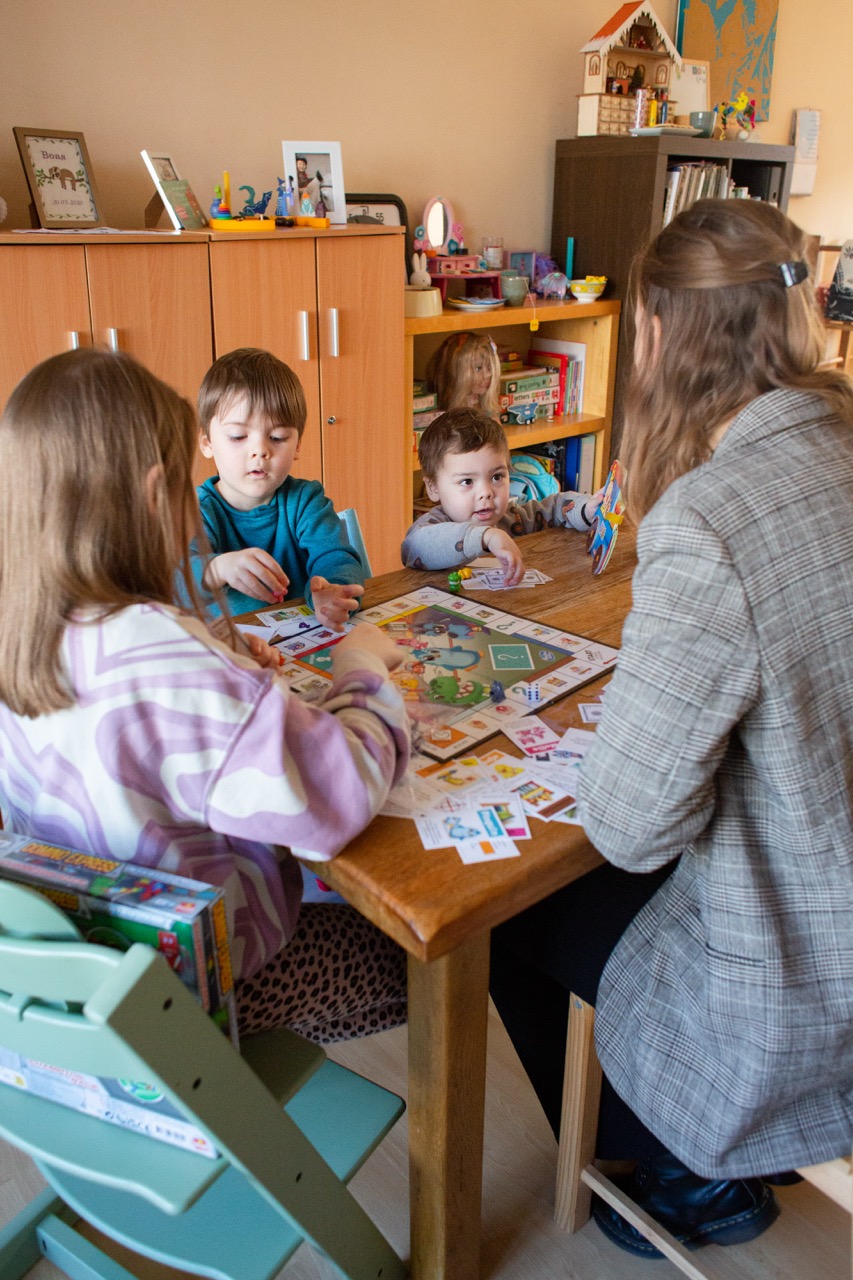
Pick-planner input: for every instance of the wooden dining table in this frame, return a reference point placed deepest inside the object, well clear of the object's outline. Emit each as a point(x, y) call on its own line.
point(442, 912)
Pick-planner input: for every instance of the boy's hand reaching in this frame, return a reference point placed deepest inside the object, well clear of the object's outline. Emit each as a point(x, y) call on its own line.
point(506, 551)
point(334, 601)
point(252, 571)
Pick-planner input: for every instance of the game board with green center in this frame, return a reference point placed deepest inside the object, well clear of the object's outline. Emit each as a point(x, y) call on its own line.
point(467, 668)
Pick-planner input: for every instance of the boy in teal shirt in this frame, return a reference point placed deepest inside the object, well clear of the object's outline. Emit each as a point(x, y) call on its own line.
point(273, 537)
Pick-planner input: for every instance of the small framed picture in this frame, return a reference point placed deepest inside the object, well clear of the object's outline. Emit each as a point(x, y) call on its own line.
point(173, 193)
point(524, 262)
point(318, 178)
point(59, 175)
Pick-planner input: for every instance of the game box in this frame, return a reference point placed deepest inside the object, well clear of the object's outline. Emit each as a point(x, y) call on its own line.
point(115, 904)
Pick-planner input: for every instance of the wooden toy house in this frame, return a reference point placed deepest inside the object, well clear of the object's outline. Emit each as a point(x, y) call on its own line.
point(631, 50)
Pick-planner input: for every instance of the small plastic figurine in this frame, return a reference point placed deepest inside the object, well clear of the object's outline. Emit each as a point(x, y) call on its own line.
point(420, 277)
point(454, 582)
point(555, 284)
point(254, 208)
point(216, 202)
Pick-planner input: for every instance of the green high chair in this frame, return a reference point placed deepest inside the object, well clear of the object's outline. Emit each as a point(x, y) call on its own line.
point(290, 1127)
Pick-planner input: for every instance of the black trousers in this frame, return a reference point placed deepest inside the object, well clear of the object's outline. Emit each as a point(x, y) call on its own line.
point(561, 945)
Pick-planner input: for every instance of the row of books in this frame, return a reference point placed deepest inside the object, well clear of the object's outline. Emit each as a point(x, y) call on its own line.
point(571, 461)
point(690, 180)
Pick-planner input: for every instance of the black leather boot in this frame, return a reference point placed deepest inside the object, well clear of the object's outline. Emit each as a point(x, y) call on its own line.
point(695, 1210)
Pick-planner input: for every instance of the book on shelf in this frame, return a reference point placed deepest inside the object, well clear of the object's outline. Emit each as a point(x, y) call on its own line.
point(528, 378)
point(568, 358)
point(423, 401)
point(540, 395)
point(586, 463)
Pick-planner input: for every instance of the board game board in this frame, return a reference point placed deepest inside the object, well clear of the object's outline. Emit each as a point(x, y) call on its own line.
point(467, 668)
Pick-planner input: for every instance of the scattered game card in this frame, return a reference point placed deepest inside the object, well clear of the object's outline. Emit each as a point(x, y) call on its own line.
point(487, 850)
point(542, 798)
point(532, 735)
point(510, 813)
point(591, 712)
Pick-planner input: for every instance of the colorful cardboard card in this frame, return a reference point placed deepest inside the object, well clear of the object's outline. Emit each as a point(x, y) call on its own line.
point(608, 517)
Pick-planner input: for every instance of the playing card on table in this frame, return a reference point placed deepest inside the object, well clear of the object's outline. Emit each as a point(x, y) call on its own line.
point(532, 735)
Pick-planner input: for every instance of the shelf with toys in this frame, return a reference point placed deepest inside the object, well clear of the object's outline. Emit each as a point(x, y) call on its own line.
point(593, 324)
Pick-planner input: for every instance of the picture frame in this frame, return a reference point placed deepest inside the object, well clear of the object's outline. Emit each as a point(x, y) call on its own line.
point(60, 178)
point(173, 194)
point(524, 262)
point(323, 175)
point(689, 88)
point(383, 209)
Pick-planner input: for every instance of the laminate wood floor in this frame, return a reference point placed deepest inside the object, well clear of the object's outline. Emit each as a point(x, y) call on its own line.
point(810, 1240)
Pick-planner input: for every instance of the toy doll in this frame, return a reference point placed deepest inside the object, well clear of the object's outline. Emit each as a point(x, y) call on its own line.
point(465, 372)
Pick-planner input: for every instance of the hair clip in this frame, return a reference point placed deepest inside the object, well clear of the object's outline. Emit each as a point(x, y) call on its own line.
point(793, 273)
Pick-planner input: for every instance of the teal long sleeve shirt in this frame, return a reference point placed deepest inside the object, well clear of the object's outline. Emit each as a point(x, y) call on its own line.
point(298, 528)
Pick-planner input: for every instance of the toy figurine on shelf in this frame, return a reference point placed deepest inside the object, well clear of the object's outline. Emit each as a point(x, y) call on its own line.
point(555, 284)
point(254, 208)
point(420, 277)
point(737, 117)
point(216, 202)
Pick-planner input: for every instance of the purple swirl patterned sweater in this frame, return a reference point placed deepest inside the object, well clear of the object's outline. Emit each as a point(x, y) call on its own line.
point(183, 755)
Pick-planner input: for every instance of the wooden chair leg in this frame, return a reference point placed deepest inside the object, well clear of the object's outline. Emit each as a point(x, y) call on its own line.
point(579, 1117)
point(844, 348)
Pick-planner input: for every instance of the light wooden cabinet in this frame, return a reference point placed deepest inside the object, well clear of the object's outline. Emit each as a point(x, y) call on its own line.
point(593, 323)
point(330, 304)
point(146, 297)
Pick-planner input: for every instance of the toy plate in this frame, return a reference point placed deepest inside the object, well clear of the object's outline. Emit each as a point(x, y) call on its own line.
point(655, 130)
point(475, 304)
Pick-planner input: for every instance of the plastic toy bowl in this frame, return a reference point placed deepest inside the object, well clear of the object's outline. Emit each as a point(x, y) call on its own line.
point(589, 289)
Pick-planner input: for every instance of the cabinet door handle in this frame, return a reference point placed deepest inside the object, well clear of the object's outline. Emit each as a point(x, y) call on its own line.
point(112, 339)
point(334, 333)
point(331, 420)
point(74, 340)
point(304, 336)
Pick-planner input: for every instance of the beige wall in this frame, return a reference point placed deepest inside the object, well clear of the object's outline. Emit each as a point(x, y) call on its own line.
point(462, 98)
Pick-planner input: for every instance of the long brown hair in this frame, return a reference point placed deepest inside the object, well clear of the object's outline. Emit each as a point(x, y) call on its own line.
point(86, 520)
point(730, 329)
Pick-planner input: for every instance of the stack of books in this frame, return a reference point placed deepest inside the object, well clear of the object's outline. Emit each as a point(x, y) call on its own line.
point(424, 410)
point(528, 392)
point(567, 359)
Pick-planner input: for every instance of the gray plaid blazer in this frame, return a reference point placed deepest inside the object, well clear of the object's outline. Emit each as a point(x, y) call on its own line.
point(725, 1014)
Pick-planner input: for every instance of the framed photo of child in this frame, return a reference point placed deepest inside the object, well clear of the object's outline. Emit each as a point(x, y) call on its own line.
point(317, 176)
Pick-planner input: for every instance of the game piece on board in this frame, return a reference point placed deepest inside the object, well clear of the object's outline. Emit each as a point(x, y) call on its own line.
point(532, 692)
point(496, 691)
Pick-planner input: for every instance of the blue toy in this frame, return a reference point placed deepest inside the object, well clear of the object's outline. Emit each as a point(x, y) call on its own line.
point(253, 207)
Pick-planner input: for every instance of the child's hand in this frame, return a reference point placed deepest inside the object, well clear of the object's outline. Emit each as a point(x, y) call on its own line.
point(365, 636)
point(252, 571)
point(506, 551)
point(591, 506)
point(334, 601)
point(266, 655)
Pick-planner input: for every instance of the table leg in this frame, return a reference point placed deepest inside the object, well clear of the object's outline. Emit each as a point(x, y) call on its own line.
point(448, 1017)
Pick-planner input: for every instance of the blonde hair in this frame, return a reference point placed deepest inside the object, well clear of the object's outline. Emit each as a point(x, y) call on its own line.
point(86, 520)
point(269, 385)
point(451, 371)
point(729, 328)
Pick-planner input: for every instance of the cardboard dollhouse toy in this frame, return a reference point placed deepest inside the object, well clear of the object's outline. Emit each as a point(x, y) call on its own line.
point(632, 50)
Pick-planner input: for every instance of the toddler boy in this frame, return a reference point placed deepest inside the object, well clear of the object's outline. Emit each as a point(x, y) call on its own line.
point(464, 458)
point(272, 536)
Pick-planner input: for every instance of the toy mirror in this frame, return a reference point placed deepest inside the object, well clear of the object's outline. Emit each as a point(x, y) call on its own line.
point(438, 223)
